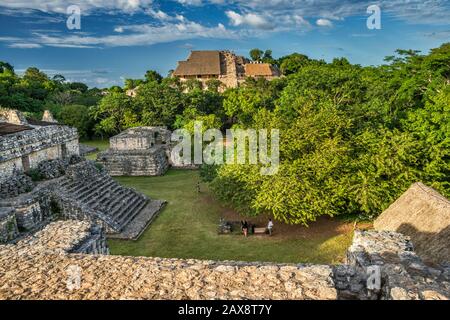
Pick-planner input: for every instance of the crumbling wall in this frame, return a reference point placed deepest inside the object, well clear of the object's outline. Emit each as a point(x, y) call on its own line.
point(37, 268)
point(8, 225)
point(404, 276)
point(12, 116)
point(17, 183)
point(31, 147)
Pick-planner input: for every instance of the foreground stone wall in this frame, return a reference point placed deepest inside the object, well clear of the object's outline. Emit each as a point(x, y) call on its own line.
point(404, 276)
point(39, 267)
point(49, 266)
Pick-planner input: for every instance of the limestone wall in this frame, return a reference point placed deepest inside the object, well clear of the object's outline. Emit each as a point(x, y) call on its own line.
point(34, 146)
point(39, 268)
point(404, 276)
point(135, 163)
point(8, 225)
point(9, 167)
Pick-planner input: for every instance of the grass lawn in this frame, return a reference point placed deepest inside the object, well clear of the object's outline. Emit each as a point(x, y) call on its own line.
point(102, 145)
point(187, 228)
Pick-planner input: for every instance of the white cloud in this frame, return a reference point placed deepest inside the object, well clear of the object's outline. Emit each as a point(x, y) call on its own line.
point(190, 2)
point(249, 19)
point(87, 6)
point(159, 15)
point(143, 34)
point(324, 23)
point(24, 45)
point(413, 11)
point(118, 29)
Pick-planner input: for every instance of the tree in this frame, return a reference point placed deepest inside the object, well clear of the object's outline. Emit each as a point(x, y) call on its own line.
point(35, 75)
point(293, 63)
point(78, 116)
point(353, 138)
point(114, 113)
point(267, 58)
point(132, 83)
point(59, 78)
point(6, 66)
point(214, 85)
point(152, 75)
point(158, 104)
point(256, 54)
point(192, 84)
point(78, 86)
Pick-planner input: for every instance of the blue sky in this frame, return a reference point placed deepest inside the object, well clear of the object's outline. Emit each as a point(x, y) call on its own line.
point(122, 39)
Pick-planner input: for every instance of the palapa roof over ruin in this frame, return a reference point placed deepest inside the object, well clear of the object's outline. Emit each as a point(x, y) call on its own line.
point(200, 63)
point(260, 70)
point(424, 215)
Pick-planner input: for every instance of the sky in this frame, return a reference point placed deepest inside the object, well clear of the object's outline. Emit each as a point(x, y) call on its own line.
point(121, 39)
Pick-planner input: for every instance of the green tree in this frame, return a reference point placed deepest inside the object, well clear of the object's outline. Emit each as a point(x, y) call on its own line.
point(152, 75)
point(114, 113)
point(256, 54)
point(78, 116)
point(158, 104)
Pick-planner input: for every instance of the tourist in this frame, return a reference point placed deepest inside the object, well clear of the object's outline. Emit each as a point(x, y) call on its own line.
point(270, 226)
point(245, 228)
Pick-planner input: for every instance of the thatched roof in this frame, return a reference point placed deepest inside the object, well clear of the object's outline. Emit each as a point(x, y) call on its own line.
point(260, 70)
point(200, 63)
point(424, 215)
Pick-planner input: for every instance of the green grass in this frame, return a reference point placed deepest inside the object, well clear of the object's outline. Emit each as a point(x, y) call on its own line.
point(187, 228)
point(102, 145)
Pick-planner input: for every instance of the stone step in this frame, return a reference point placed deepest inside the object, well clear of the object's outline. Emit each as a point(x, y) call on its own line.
point(117, 198)
point(105, 197)
point(101, 188)
point(75, 185)
point(88, 192)
point(133, 210)
point(127, 207)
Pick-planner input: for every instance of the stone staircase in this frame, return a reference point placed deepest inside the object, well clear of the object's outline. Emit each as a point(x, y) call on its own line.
point(86, 191)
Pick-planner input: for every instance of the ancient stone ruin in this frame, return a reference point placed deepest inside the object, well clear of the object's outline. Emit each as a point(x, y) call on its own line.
point(137, 152)
point(56, 210)
point(224, 66)
point(141, 151)
point(37, 267)
point(43, 179)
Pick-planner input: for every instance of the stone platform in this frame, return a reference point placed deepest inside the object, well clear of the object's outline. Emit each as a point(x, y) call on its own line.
point(43, 265)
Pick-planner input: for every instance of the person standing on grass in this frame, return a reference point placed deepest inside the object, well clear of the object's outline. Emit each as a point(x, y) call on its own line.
point(270, 226)
point(245, 228)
